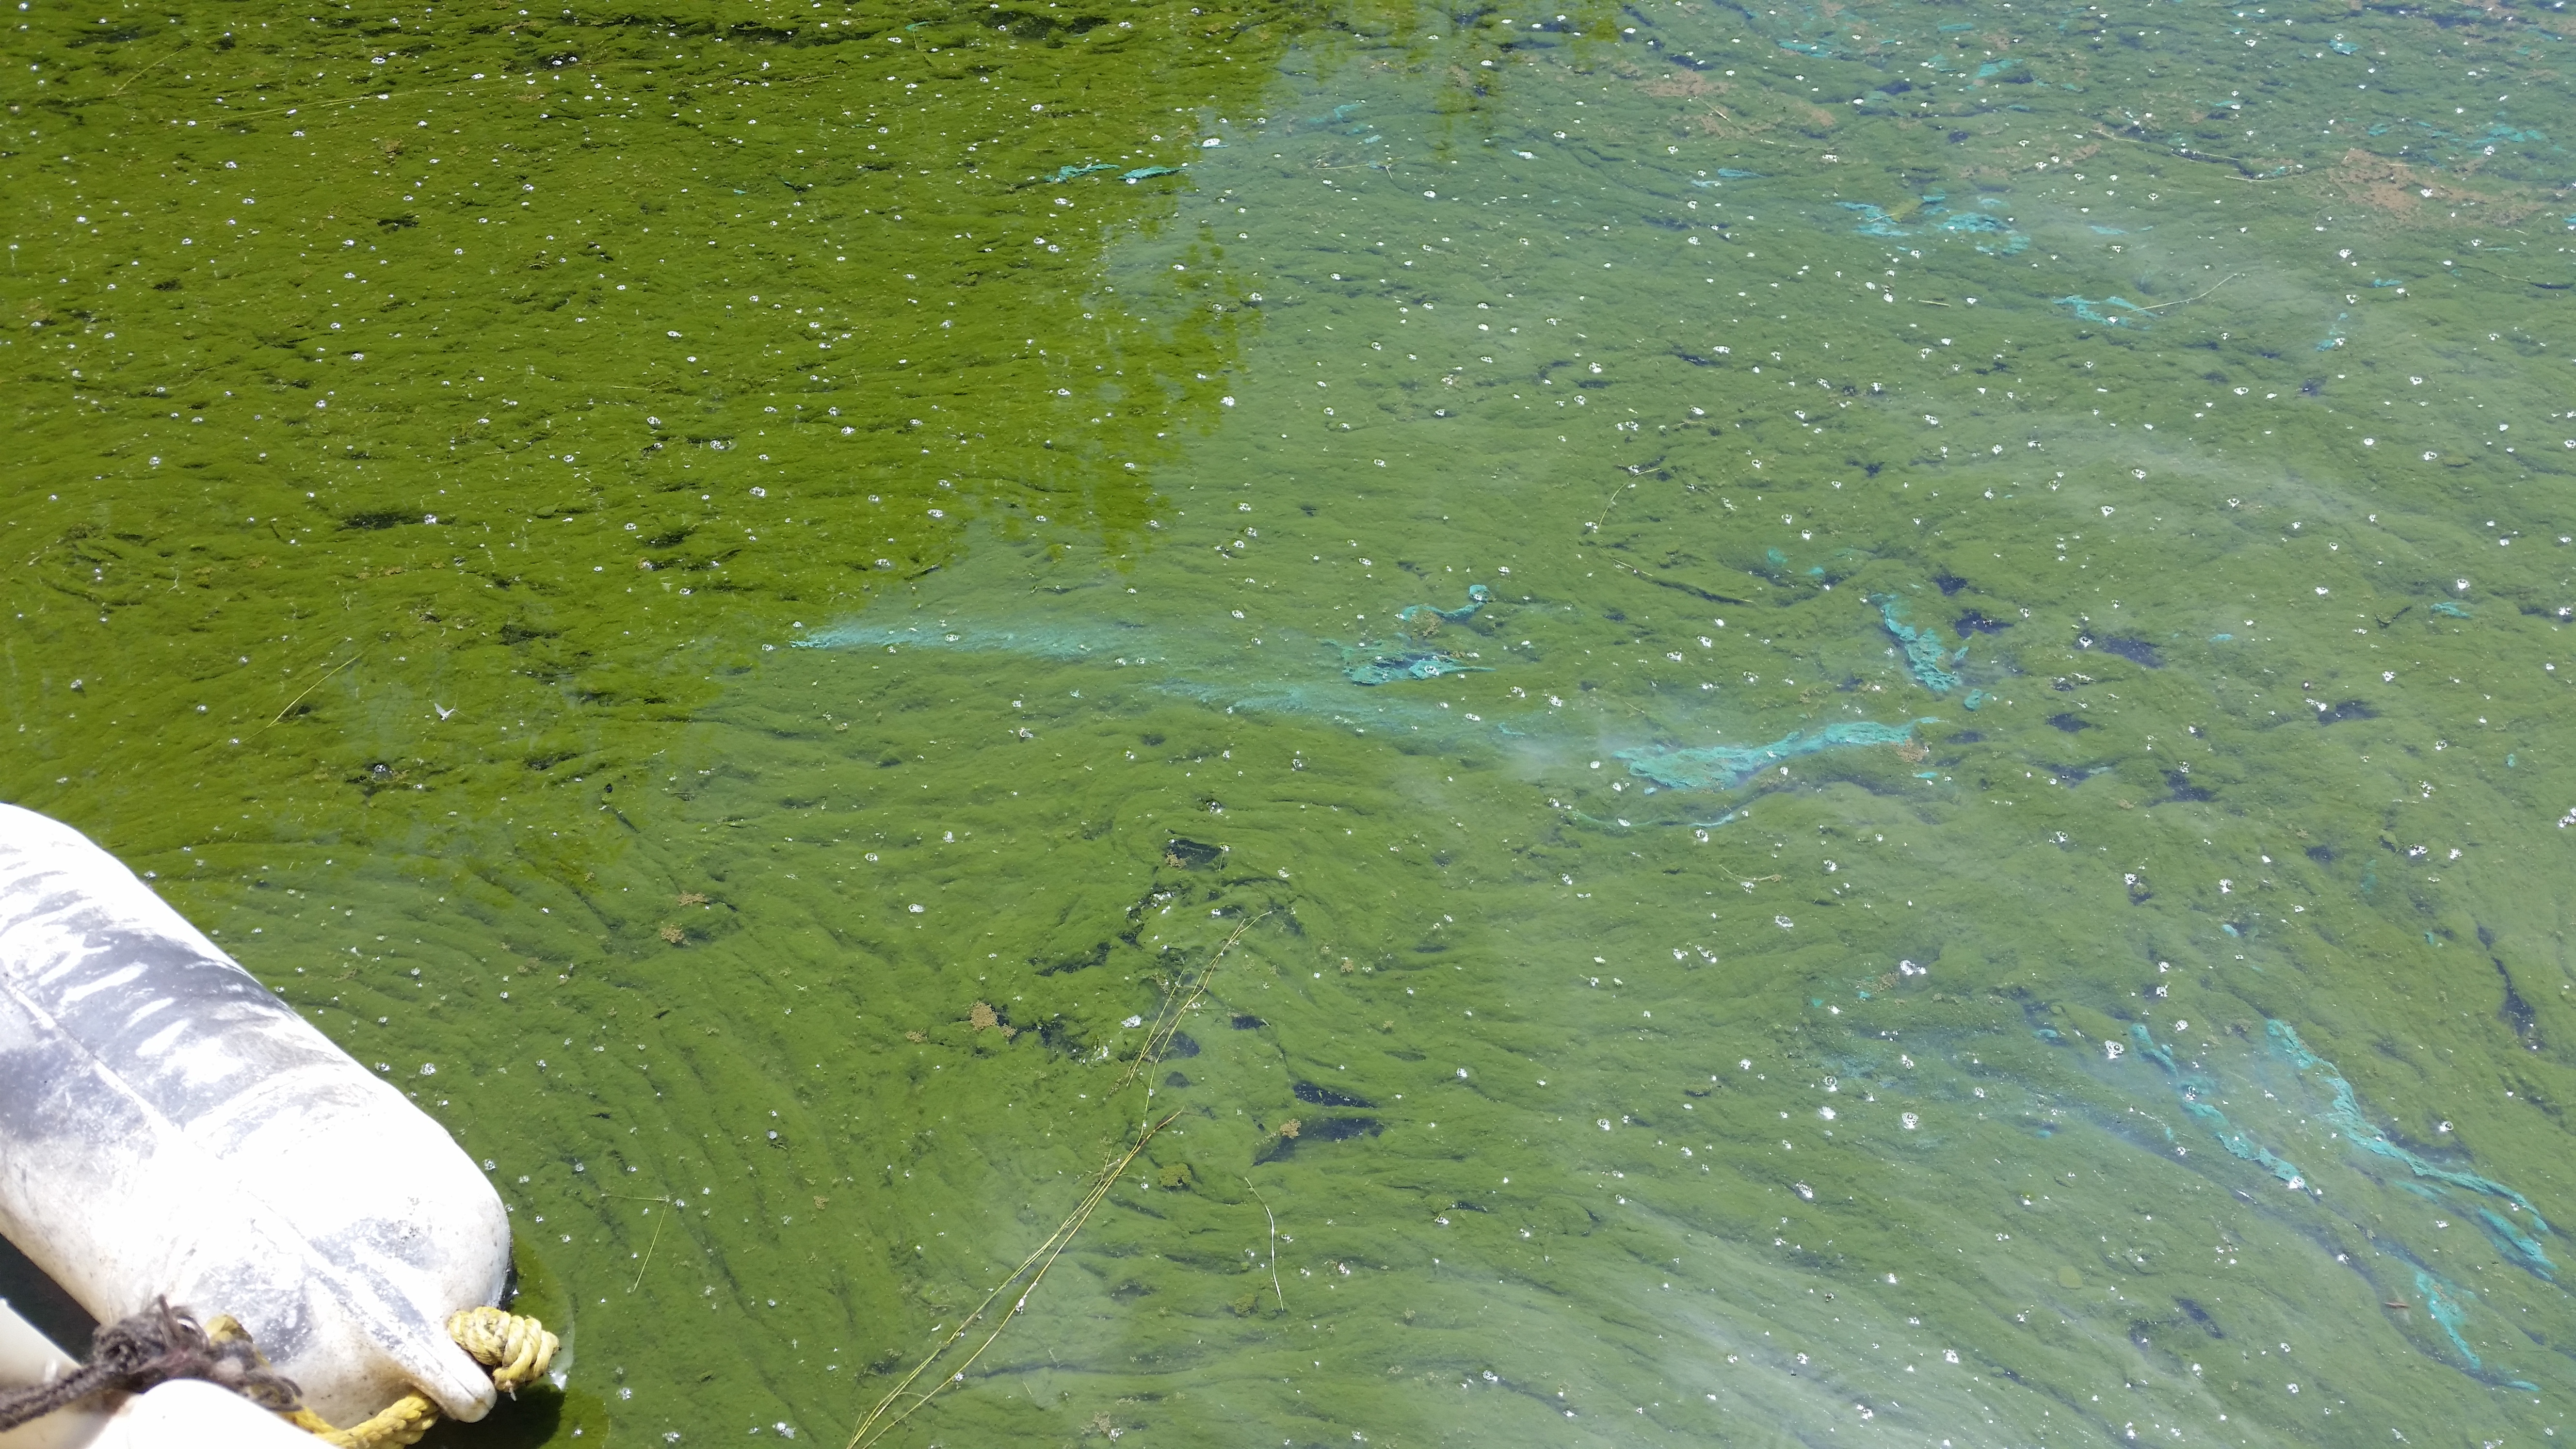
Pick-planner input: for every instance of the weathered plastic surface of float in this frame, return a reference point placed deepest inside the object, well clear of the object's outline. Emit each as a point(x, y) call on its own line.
point(172, 1131)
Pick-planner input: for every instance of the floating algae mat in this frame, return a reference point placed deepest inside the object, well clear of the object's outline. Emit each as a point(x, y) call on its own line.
point(1828, 725)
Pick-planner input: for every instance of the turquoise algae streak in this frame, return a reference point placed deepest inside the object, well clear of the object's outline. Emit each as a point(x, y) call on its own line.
point(1498, 508)
point(1924, 654)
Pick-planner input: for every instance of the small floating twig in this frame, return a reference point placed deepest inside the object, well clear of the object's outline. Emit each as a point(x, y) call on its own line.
point(2194, 297)
point(138, 75)
point(317, 684)
point(1607, 503)
point(1274, 1243)
point(656, 1241)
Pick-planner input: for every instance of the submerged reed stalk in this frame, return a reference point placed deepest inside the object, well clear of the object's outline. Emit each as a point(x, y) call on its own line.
point(893, 1409)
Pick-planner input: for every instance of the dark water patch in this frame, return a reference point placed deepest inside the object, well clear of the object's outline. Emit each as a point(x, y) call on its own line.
point(1975, 622)
point(1304, 1133)
point(2135, 650)
point(2516, 1012)
point(1080, 961)
point(2071, 723)
point(1694, 590)
point(1326, 1096)
point(1375, 667)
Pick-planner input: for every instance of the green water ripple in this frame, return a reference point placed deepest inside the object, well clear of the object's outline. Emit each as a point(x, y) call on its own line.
point(437, 434)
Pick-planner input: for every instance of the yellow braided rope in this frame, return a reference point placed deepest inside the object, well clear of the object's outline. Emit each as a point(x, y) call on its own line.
point(514, 1347)
point(400, 1425)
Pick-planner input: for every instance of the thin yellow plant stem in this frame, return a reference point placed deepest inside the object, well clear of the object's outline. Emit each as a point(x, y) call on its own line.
point(1167, 1019)
point(674, 1204)
point(1274, 1245)
point(882, 1419)
point(2194, 297)
point(648, 1251)
point(878, 1423)
point(317, 684)
point(138, 75)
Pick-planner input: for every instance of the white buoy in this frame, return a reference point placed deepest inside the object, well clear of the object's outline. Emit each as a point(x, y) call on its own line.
point(171, 1129)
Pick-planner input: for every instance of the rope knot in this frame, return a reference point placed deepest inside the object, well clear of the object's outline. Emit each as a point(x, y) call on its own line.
point(514, 1347)
point(163, 1343)
point(152, 1347)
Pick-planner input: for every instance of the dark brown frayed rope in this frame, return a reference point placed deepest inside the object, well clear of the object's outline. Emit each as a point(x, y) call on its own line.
point(153, 1347)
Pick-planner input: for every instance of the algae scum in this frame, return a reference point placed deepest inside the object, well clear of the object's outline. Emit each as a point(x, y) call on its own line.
point(1874, 692)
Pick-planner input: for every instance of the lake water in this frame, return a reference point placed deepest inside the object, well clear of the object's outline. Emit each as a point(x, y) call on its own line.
point(1840, 725)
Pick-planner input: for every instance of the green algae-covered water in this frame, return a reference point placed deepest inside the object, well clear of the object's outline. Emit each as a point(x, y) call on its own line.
point(1874, 693)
